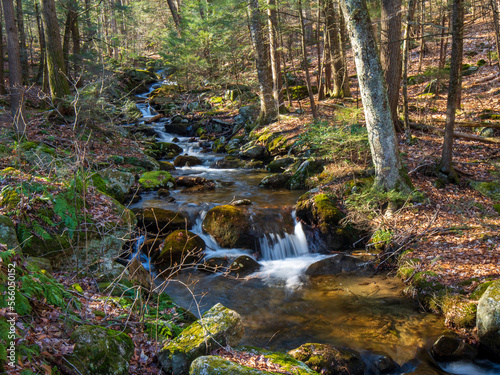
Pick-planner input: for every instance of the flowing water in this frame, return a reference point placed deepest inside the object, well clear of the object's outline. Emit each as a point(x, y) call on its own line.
point(280, 306)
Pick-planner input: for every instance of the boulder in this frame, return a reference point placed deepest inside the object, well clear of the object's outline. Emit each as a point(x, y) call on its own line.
point(144, 162)
point(181, 126)
point(213, 365)
point(156, 179)
point(307, 169)
point(254, 152)
point(329, 360)
point(101, 351)
point(488, 319)
point(323, 213)
point(186, 160)
point(230, 226)
point(449, 347)
point(161, 221)
point(219, 326)
point(164, 150)
point(275, 181)
point(279, 165)
point(233, 162)
point(181, 247)
point(115, 183)
point(166, 166)
point(287, 363)
point(336, 264)
point(244, 265)
point(249, 112)
point(381, 363)
point(8, 236)
point(190, 181)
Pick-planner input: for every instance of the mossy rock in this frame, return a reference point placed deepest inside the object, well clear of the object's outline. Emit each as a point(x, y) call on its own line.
point(327, 359)
point(145, 162)
point(307, 169)
point(101, 351)
point(8, 235)
point(213, 365)
point(488, 319)
point(166, 166)
point(161, 221)
point(479, 291)
point(155, 180)
point(286, 362)
point(275, 181)
point(459, 314)
point(230, 226)
point(279, 165)
point(187, 160)
point(181, 247)
point(219, 326)
point(235, 162)
point(489, 189)
point(164, 150)
point(299, 92)
point(115, 183)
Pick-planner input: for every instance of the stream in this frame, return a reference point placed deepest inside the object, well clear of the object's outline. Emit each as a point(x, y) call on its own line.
point(281, 307)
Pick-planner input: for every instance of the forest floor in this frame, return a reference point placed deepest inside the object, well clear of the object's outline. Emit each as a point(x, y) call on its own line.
point(454, 232)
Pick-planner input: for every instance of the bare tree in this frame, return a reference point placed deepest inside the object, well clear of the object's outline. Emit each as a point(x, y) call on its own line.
point(495, 6)
point(389, 173)
point(275, 57)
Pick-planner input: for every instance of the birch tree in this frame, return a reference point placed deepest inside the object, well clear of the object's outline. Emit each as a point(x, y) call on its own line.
point(389, 173)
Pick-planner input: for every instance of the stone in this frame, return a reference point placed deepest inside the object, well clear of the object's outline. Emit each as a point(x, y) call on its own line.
point(156, 179)
point(249, 112)
point(161, 221)
point(101, 351)
point(329, 360)
point(253, 152)
point(381, 363)
point(275, 181)
point(307, 169)
point(8, 236)
point(213, 365)
point(230, 226)
point(244, 265)
point(279, 165)
point(180, 248)
point(488, 319)
point(449, 348)
point(165, 165)
point(186, 160)
point(242, 202)
point(190, 181)
point(42, 264)
point(219, 326)
point(288, 364)
point(145, 162)
point(165, 150)
point(115, 183)
point(339, 263)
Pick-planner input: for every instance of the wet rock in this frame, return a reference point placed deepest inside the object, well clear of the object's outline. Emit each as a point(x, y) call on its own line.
point(329, 360)
point(180, 249)
point(488, 319)
point(323, 213)
point(213, 365)
point(182, 127)
point(275, 181)
point(190, 181)
point(166, 166)
point(161, 221)
point(244, 265)
point(219, 326)
point(200, 188)
point(145, 130)
point(101, 351)
point(242, 202)
point(254, 152)
point(186, 160)
point(215, 264)
point(234, 162)
point(338, 263)
point(164, 150)
point(449, 347)
point(156, 179)
point(233, 146)
point(279, 165)
point(381, 363)
point(230, 226)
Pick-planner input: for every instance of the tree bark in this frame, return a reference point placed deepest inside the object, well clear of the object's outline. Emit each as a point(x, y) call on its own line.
point(390, 54)
point(59, 87)
point(346, 90)
point(389, 173)
point(23, 52)
point(306, 64)
point(335, 49)
point(175, 15)
point(275, 57)
point(453, 92)
point(268, 109)
point(15, 75)
point(495, 6)
point(3, 91)
point(406, 53)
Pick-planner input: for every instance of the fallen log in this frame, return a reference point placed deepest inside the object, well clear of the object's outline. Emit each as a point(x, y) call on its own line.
point(471, 137)
point(473, 124)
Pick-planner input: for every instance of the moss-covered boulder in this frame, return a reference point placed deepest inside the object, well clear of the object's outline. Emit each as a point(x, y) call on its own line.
point(156, 179)
point(230, 226)
point(253, 151)
point(186, 160)
point(115, 183)
point(9, 197)
point(213, 365)
point(8, 236)
point(329, 360)
point(181, 247)
point(219, 326)
point(275, 181)
point(164, 150)
point(323, 213)
point(287, 363)
point(161, 221)
point(489, 189)
point(101, 351)
point(233, 162)
point(299, 92)
point(135, 81)
point(166, 166)
point(307, 169)
point(279, 165)
point(488, 319)
point(144, 162)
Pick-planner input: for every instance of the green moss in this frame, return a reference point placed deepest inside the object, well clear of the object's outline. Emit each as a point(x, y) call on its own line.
point(180, 246)
point(156, 180)
point(479, 291)
point(488, 189)
point(459, 313)
point(27, 146)
point(230, 226)
point(381, 238)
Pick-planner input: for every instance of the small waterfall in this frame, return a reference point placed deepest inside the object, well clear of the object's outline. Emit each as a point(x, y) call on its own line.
point(275, 247)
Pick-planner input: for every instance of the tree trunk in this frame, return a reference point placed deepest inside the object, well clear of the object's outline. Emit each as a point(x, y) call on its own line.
point(390, 54)
point(75, 36)
point(336, 57)
point(406, 53)
point(443, 44)
point(422, 39)
point(306, 64)
point(15, 75)
point(389, 173)
point(3, 91)
point(268, 109)
point(66, 46)
point(453, 92)
point(175, 15)
point(59, 87)
point(275, 57)
point(346, 90)
point(41, 38)
point(23, 52)
point(495, 6)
